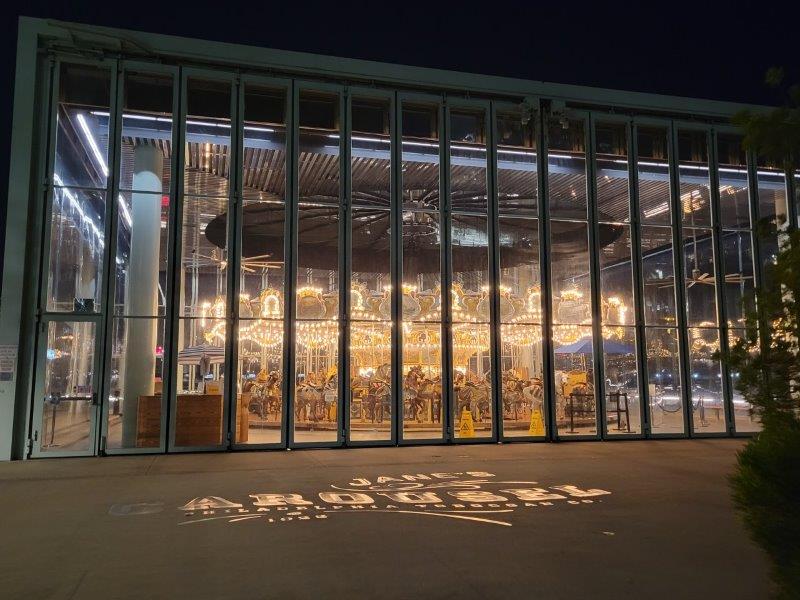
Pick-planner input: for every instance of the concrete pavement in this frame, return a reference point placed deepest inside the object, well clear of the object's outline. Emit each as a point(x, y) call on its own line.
point(573, 520)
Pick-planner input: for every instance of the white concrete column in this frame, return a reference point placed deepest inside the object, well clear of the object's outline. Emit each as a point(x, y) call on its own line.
point(141, 287)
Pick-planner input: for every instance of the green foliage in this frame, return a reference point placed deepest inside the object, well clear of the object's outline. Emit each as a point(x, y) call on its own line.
point(766, 485)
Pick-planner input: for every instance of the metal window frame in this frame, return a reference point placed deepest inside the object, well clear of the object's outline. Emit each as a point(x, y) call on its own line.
point(439, 103)
point(341, 92)
point(176, 317)
point(713, 185)
point(626, 121)
point(506, 108)
point(590, 222)
point(396, 392)
point(125, 67)
point(483, 107)
point(45, 316)
point(235, 258)
point(667, 127)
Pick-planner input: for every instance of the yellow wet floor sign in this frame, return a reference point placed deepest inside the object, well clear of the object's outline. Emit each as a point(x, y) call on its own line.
point(466, 428)
point(537, 424)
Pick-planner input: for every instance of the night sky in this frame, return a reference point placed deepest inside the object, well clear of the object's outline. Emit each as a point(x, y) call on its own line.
point(720, 50)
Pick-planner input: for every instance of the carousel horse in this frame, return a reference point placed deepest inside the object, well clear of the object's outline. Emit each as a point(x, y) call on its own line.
point(265, 395)
point(475, 397)
point(417, 389)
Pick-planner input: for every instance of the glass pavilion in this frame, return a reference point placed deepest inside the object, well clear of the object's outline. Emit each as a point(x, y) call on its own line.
point(258, 256)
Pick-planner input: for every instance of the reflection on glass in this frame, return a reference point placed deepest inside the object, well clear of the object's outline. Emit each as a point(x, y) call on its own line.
point(262, 226)
point(612, 173)
point(653, 176)
point(201, 366)
point(137, 372)
point(573, 378)
point(204, 257)
point(772, 194)
point(744, 419)
point(708, 410)
point(259, 409)
point(566, 170)
point(659, 275)
point(616, 278)
point(695, 195)
point(734, 190)
point(81, 154)
point(517, 183)
point(422, 309)
point(737, 254)
point(77, 244)
point(208, 138)
point(146, 133)
point(663, 381)
point(68, 387)
point(141, 263)
point(569, 253)
point(316, 398)
point(701, 289)
point(623, 408)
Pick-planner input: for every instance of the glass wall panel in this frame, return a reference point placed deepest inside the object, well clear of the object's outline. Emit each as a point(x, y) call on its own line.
point(137, 375)
point(664, 381)
point(471, 293)
point(208, 138)
point(611, 158)
point(371, 380)
point(653, 175)
point(260, 377)
point(695, 193)
point(77, 244)
point(422, 278)
point(259, 392)
point(772, 201)
point(737, 251)
point(146, 133)
point(201, 366)
point(659, 276)
point(734, 189)
point(574, 372)
point(621, 381)
point(566, 169)
point(517, 183)
point(81, 153)
point(623, 410)
point(142, 254)
point(701, 290)
point(370, 402)
point(204, 257)
point(571, 284)
point(522, 377)
point(616, 276)
point(316, 396)
point(744, 419)
point(520, 329)
point(316, 400)
point(708, 410)
point(68, 387)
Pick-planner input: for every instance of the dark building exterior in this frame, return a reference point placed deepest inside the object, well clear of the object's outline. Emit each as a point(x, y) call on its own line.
point(212, 246)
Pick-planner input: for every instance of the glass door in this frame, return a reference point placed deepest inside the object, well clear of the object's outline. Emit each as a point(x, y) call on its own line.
point(66, 402)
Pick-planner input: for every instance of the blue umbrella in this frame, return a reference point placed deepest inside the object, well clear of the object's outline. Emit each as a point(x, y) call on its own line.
point(584, 346)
